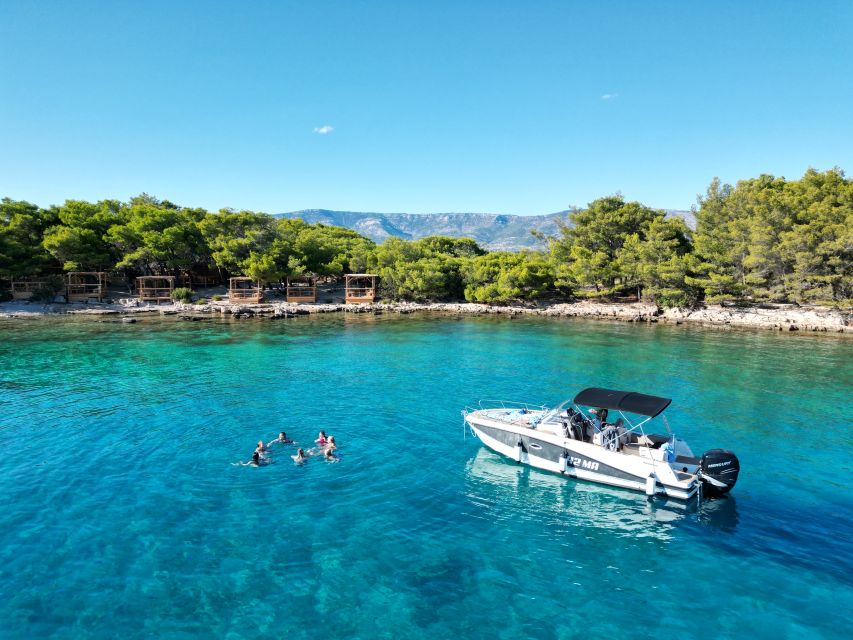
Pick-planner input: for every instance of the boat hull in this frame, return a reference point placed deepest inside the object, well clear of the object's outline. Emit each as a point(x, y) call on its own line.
point(581, 460)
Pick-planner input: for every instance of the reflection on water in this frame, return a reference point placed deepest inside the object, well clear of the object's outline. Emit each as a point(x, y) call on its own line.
point(719, 513)
point(501, 483)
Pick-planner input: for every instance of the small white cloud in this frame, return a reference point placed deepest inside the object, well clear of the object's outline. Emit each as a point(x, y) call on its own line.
point(606, 96)
point(326, 128)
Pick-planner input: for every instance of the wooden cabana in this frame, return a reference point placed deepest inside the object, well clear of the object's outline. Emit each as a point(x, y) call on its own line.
point(244, 290)
point(360, 287)
point(84, 285)
point(302, 289)
point(155, 288)
point(23, 288)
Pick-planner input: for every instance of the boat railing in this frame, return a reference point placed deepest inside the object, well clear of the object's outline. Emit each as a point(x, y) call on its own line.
point(508, 404)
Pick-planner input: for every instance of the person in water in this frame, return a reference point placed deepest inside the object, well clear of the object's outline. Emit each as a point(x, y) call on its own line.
point(330, 444)
point(256, 461)
point(300, 456)
point(329, 455)
point(282, 437)
point(261, 450)
point(321, 440)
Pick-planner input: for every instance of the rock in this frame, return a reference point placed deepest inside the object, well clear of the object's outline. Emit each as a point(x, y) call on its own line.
point(768, 316)
point(129, 320)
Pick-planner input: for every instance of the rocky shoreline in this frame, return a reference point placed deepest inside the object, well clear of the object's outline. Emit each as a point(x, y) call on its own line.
point(774, 317)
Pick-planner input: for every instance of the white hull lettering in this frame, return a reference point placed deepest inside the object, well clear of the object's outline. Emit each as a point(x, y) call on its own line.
point(584, 464)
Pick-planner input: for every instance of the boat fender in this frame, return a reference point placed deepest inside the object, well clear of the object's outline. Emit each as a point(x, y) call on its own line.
point(518, 450)
point(651, 481)
point(564, 462)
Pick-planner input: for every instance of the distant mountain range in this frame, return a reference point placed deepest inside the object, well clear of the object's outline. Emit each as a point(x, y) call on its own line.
point(491, 231)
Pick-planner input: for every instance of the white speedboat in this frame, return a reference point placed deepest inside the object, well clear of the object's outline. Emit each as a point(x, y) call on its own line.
point(619, 453)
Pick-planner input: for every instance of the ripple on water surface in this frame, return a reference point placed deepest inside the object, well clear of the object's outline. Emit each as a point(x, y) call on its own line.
point(125, 515)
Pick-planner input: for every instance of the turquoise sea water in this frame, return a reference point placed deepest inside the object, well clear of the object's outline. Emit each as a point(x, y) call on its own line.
point(122, 515)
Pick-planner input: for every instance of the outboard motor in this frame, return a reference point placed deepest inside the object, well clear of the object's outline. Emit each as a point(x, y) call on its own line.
point(718, 471)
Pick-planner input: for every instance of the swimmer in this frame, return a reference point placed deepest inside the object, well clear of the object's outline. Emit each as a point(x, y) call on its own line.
point(321, 440)
point(329, 455)
point(331, 445)
point(300, 456)
point(282, 437)
point(256, 461)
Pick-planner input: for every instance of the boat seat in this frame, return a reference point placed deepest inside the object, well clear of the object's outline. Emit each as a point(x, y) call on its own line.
point(652, 440)
point(556, 429)
point(622, 433)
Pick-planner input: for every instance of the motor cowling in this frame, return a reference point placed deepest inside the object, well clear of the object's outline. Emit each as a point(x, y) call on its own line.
point(719, 470)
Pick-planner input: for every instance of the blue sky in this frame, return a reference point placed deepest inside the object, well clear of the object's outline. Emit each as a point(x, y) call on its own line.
point(505, 107)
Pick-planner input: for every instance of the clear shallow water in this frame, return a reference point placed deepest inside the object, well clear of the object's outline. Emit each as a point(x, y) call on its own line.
point(121, 513)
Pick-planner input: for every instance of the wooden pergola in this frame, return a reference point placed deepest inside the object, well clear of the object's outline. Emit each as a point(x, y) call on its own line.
point(155, 288)
point(84, 285)
point(23, 288)
point(244, 290)
point(360, 287)
point(302, 289)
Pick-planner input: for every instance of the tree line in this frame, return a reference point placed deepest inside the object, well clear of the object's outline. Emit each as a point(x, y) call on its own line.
point(763, 239)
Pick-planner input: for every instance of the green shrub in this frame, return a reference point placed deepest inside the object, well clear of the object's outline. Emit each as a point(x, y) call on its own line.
point(504, 277)
point(182, 294)
point(201, 301)
point(217, 298)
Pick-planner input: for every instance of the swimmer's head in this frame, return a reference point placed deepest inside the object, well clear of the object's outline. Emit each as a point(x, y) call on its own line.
point(332, 439)
point(322, 434)
point(282, 436)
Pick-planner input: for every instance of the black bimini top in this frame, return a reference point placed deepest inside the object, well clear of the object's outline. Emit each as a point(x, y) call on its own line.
point(629, 401)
